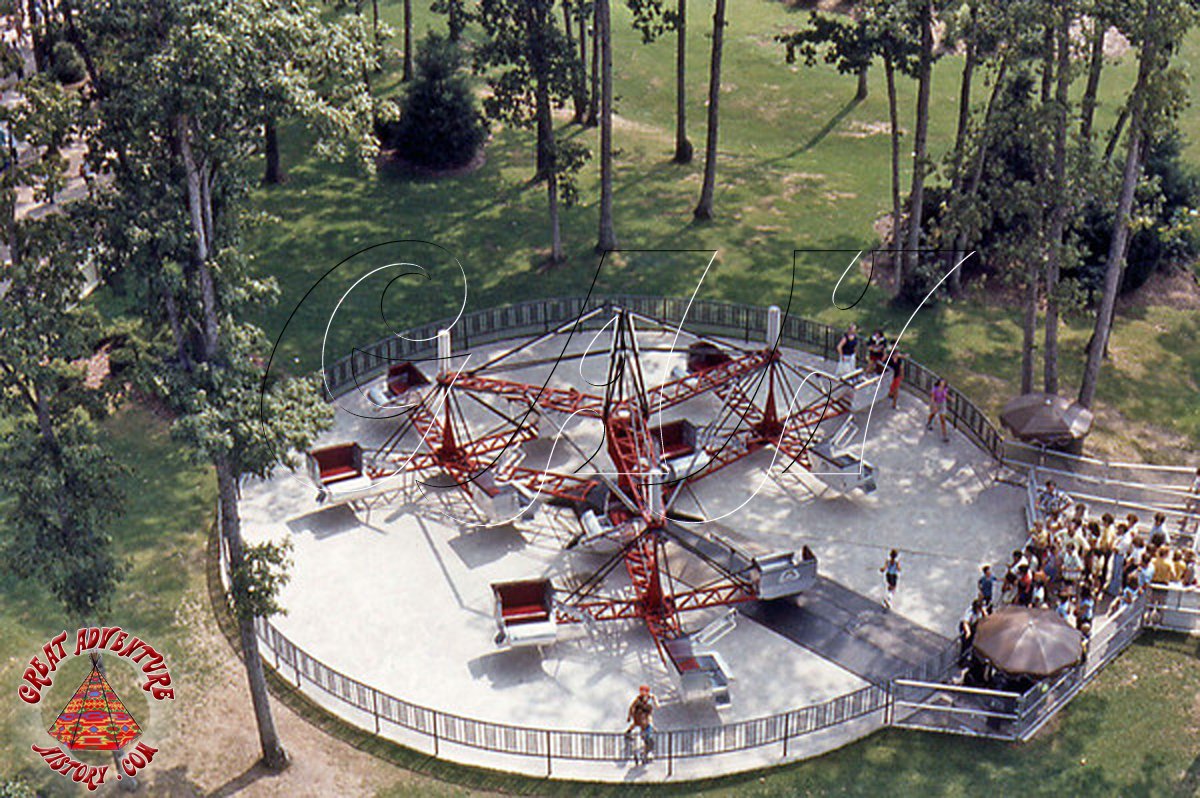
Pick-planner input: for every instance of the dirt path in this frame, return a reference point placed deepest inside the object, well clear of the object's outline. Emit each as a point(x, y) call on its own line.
point(208, 741)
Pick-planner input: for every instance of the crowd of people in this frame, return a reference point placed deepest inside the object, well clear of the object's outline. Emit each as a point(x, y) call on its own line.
point(1072, 561)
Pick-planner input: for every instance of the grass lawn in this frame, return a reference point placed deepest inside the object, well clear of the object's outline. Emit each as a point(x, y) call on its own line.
point(169, 506)
point(799, 168)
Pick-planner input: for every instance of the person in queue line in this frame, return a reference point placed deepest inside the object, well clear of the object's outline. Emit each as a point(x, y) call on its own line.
point(1051, 501)
point(987, 587)
point(975, 613)
point(1159, 536)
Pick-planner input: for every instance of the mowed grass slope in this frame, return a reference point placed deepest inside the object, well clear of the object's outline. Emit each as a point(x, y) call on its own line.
point(801, 167)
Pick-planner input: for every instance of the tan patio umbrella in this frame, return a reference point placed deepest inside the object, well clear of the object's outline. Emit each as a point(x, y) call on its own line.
point(1023, 641)
point(1046, 418)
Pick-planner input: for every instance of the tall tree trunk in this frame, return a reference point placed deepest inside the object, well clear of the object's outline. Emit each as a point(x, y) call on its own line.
point(85, 52)
point(894, 125)
point(274, 174)
point(172, 308)
point(1115, 264)
point(583, 61)
point(1058, 219)
point(408, 51)
point(273, 755)
point(37, 19)
point(960, 135)
point(578, 90)
point(593, 117)
point(864, 87)
point(1029, 328)
point(704, 209)
point(454, 23)
point(683, 147)
point(556, 246)
point(546, 155)
point(920, 142)
point(1115, 135)
point(1047, 63)
point(200, 212)
point(985, 141)
point(1095, 66)
point(607, 239)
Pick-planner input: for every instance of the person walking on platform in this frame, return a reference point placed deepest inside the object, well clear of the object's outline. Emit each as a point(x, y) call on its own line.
point(987, 587)
point(938, 397)
point(891, 578)
point(897, 363)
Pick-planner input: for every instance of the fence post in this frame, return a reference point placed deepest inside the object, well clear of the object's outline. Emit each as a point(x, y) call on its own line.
point(549, 758)
point(670, 754)
point(375, 707)
point(787, 731)
point(435, 731)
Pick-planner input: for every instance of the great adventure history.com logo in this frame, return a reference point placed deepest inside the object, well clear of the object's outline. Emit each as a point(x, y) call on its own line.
point(95, 718)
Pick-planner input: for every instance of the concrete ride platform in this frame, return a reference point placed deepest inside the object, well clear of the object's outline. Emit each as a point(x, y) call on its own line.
point(398, 595)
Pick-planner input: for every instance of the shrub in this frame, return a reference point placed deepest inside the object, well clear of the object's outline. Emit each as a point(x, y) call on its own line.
point(439, 125)
point(65, 63)
point(16, 788)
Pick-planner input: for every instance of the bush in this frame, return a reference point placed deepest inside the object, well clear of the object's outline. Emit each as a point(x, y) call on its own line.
point(16, 788)
point(1169, 190)
point(439, 125)
point(66, 65)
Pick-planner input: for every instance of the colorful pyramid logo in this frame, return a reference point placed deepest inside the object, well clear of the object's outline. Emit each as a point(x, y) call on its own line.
point(95, 719)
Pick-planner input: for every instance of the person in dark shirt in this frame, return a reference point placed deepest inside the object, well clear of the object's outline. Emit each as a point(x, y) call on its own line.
point(847, 348)
point(987, 587)
point(876, 351)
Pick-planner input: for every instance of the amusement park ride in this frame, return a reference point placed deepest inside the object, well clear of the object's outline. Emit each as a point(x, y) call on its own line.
point(627, 502)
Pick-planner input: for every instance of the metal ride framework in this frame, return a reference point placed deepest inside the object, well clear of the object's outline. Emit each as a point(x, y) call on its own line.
point(630, 500)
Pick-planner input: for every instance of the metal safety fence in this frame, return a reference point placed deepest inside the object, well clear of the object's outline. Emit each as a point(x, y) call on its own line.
point(442, 728)
point(725, 320)
point(719, 319)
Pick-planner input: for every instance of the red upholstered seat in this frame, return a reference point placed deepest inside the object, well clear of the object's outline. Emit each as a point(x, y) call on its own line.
point(525, 612)
point(337, 463)
point(402, 377)
point(678, 438)
point(523, 602)
point(337, 474)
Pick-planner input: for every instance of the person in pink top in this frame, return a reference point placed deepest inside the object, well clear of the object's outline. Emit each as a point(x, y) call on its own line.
point(937, 406)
